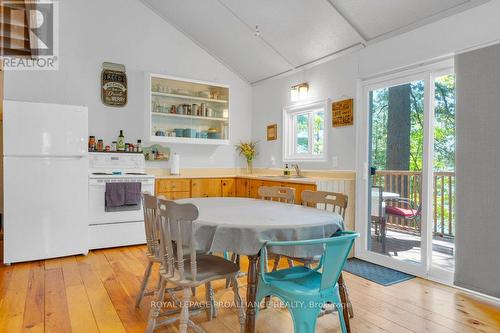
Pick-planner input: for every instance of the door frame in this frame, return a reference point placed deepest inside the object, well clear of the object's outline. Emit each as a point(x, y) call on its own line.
point(427, 73)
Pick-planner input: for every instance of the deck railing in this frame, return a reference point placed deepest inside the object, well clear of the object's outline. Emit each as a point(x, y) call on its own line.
point(408, 184)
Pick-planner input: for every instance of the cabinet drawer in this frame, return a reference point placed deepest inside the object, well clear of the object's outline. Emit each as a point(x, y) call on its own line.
point(175, 195)
point(173, 185)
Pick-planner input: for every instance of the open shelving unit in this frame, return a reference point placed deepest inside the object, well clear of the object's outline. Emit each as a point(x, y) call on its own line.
point(187, 111)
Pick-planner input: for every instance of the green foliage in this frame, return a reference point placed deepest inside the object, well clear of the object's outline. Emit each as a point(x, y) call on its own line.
point(444, 125)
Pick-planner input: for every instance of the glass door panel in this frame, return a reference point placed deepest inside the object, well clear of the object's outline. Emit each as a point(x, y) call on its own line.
point(443, 229)
point(396, 133)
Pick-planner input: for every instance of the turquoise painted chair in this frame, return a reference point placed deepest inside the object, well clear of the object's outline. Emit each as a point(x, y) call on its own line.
point(306, 290)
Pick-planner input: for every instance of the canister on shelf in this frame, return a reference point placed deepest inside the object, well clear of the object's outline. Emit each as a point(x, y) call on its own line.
point(91, 143)
point(113, 146)
point(100, 145)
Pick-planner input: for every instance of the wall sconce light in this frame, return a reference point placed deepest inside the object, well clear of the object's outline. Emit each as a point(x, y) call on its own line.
point(299, 92)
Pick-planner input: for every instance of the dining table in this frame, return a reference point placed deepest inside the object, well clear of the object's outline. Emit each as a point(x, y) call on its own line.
point(243, 226)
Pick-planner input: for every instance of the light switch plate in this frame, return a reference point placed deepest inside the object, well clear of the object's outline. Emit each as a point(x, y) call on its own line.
point(335, 161)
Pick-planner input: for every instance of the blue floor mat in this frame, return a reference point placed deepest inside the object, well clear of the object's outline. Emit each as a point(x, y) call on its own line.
point(376, 273)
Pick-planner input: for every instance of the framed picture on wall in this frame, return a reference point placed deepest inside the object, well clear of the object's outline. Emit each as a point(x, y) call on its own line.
point(272, 132)
point(342, 113)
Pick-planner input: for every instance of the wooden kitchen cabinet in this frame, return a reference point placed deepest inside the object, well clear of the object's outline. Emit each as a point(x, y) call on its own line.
point(174, 189)
point(242, 187)
point(210, 187)
point(228, 187)
point(173, 185)
point(254, 185)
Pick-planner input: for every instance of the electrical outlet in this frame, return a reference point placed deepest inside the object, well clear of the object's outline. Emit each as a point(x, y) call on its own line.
point(273, 161)
point(335, 161)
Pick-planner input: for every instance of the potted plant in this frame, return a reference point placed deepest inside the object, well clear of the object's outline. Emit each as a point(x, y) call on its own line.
point(249, 151)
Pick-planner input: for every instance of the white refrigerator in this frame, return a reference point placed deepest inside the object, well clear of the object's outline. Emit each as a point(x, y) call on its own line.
point(45, 180)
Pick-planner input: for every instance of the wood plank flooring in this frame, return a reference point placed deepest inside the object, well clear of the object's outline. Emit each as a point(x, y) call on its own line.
point(96, 293)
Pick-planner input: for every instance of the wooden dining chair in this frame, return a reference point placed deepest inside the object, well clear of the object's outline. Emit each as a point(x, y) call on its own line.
point(151, 228)
point(333, 201)
point(281, 194)
point(337, 203)
point(277, 193)
point(186, 269)
point(152, 231)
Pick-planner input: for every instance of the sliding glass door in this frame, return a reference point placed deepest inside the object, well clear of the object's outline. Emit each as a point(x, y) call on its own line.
point(406, 182)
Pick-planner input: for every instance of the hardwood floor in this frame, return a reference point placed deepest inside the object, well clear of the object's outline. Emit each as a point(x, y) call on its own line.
point(96, 294)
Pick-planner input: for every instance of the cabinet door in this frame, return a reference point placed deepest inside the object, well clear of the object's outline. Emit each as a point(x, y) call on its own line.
point(201, 188)
point(242, 189)
point(254, 187)
point(173, 185)
point(228, 187)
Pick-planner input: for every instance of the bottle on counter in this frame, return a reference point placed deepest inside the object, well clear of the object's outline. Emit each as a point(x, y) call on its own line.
point(120, 143)
point(139, 146)
point(286, 171)
point(113, 146)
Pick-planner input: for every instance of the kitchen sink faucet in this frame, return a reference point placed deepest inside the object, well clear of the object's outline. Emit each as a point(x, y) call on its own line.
point(297, 169)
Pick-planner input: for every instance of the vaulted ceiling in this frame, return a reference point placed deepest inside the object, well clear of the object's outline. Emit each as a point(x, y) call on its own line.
point(259, 39)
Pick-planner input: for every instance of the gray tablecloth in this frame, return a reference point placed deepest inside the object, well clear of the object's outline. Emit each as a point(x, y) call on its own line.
point(244, 225)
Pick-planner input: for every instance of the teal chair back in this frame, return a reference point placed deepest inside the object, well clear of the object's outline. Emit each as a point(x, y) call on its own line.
point(336, 250)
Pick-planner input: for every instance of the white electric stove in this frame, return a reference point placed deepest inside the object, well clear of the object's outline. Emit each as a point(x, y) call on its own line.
point(116, 228)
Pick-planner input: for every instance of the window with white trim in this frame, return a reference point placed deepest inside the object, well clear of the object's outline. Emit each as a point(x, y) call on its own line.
point(304, 134)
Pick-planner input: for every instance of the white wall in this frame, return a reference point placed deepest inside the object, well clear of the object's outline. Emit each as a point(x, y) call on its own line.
point(127, 32)
point(468, 29)
point(335, 80)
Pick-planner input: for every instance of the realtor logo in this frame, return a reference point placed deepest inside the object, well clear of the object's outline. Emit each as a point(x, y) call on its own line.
point(29, 34)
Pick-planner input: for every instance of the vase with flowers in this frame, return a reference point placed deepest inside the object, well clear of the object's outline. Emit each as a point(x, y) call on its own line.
point(249, 151)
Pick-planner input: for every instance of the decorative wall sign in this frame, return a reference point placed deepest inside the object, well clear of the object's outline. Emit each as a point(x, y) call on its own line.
point(156, 153)
point(113, 85)
point(342, 113)
point(272, 132)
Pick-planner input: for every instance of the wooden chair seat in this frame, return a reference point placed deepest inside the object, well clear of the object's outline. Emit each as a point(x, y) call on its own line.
point(208, 268)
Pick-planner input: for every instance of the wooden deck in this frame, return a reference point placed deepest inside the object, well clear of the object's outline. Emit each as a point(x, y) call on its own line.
point(95, 294)
point(406, 246)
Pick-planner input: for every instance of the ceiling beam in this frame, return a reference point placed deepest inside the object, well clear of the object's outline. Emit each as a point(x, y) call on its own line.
point(313, 63)
point(354, 27)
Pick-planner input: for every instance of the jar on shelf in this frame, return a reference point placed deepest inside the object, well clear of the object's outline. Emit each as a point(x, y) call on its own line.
point(100, 145)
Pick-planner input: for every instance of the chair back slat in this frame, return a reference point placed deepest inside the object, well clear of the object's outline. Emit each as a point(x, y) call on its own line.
point(151, 227)
point(277, 193)
point(334, 258)
point(176, 223)
point(336, 202)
